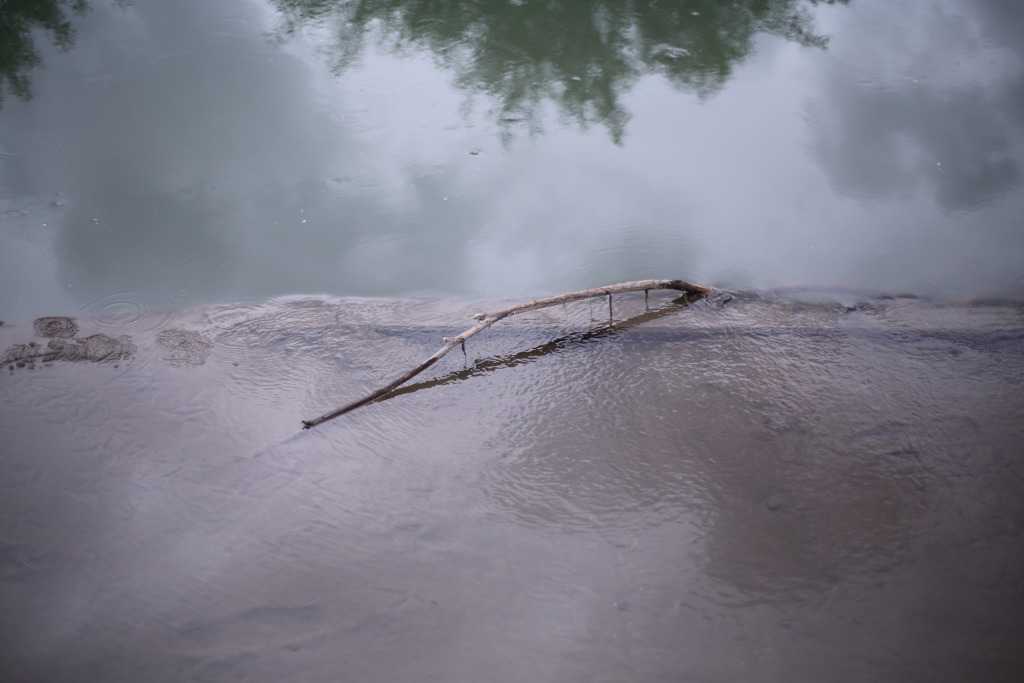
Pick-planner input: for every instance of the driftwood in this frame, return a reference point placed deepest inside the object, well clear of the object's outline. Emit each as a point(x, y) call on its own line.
point(488, 364)
point(485, 320)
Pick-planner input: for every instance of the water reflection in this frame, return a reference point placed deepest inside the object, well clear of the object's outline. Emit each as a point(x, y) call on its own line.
point(20, 23)
point(582, 56)
point(178, 156)
point(939, 112)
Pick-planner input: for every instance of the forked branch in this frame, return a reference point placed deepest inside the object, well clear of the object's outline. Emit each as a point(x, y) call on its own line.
point(485, 320)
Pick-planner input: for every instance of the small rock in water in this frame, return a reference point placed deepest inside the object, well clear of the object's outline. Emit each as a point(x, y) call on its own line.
point(98, 348)
point(187, 348)
point(56, 328)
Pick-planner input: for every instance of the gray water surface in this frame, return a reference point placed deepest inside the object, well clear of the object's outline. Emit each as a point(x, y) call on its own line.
point(764, 490)
point(172, 154)
point(218, 219)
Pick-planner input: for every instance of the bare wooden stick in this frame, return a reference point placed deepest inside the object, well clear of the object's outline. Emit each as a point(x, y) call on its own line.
point(488, 319)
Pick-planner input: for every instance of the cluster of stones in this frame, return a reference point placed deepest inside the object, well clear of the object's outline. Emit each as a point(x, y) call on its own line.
point(97, 348)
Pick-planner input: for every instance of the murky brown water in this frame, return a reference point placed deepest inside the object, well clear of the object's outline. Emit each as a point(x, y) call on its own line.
point(762, 491)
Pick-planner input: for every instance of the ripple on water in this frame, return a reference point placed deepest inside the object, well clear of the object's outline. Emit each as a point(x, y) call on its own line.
point(131, 312)
point(591, 444)
point(330, 352)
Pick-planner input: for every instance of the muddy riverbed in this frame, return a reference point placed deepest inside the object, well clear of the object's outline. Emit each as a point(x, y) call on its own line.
point(769, 489)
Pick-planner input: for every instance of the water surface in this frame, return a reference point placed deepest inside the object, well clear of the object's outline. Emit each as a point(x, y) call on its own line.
point(172, 154)
point(762, 491)
point(220, 219)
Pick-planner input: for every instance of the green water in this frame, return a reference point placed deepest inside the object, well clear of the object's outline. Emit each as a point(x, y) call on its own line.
point(165, 154)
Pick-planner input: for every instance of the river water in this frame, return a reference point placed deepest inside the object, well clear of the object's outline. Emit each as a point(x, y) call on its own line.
point(221, 219)
point(174, 154)
point(760, 490)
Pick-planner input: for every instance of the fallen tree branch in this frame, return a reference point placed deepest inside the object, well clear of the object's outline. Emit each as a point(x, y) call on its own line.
point(488, 319)
point(485, 365)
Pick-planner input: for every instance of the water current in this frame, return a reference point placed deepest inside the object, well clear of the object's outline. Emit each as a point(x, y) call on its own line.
point(759, 490)
point(219, 219)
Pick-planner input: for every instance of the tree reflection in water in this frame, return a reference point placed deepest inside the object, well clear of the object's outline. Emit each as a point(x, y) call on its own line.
point(19, 21)
point(581, 55)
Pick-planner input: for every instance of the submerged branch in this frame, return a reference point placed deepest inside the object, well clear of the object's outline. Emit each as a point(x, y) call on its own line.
point(485, 365)
point(488, 319)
